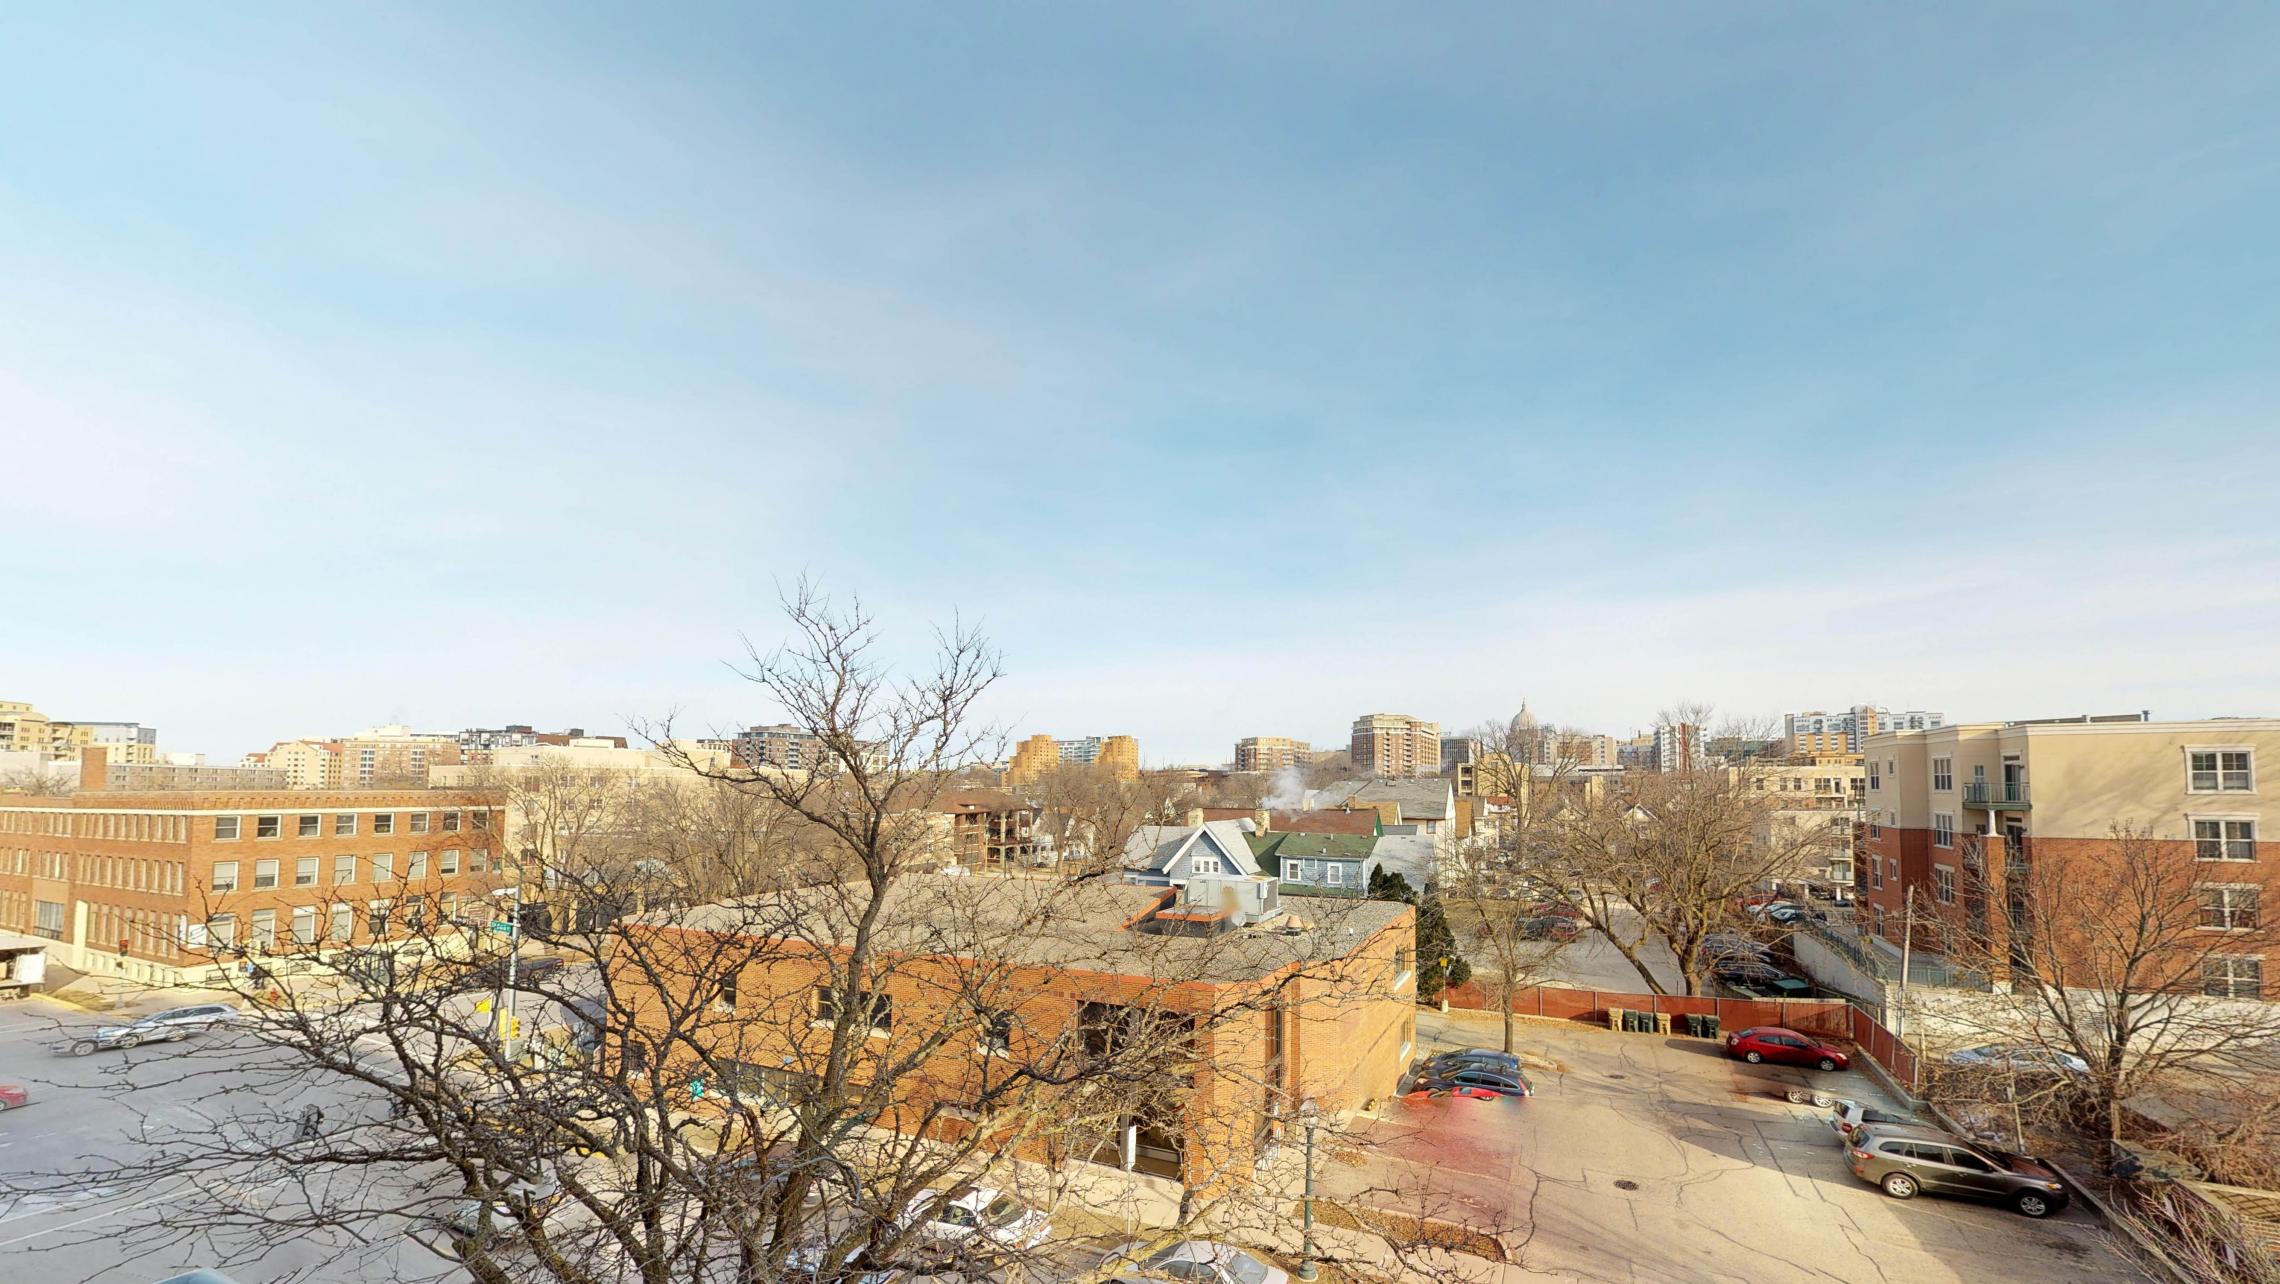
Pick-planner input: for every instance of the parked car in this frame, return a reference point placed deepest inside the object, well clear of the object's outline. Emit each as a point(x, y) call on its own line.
point(1906, 1160)
point(1777, 987)
point(1848, 1117)
point(528, 971)
point(1784, 1047)
point(171, 1025)
point(2019, 1059)
point(1551, 927)
point(542, 1197)
point(1202, 1261)
point(1470, 1081)
point(1464, 1058)
point(991, 1216)
point(13, 1095)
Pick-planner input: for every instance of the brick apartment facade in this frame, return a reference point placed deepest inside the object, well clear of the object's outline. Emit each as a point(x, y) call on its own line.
point(1267, 1033)
point(989, 828)
point(145, 884)
point(1271, 753)
point(2019, 795)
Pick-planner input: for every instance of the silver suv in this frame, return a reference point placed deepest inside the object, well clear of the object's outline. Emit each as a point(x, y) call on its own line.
point(167, 1026)
point(1904, 1160)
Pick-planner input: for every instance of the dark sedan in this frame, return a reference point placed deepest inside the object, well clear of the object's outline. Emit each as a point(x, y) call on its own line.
point(1469, 1081)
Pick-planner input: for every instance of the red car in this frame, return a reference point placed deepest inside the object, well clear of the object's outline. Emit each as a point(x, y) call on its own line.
point(12, 1096)
point(1772, 1043)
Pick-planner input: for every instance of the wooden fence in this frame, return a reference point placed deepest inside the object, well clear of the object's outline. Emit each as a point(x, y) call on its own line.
point(1828, 1018)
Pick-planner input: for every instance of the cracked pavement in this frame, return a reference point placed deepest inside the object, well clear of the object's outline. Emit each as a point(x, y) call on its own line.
point(1732, 1181)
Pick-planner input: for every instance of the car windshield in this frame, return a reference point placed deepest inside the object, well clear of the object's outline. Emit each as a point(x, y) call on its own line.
point(1245, 1268)
point(1005, 1210)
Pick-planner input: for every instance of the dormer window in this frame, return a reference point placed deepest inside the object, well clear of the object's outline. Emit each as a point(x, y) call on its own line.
point(1203, 864)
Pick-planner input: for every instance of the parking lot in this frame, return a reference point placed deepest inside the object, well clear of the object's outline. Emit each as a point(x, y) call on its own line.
point(1643, 1158)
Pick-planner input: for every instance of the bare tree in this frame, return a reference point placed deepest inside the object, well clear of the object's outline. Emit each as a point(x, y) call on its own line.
point(770, 1039)
point(1494, 887)
point(2128, 958)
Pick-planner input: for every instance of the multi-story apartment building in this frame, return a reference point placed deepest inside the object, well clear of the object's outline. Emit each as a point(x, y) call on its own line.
point(141, 777)
point(1270, 1010)
point(1820, 732)
point(1395, 744)
point(477, 744)
point(304, 764)
point(24, 729)
point(2001, 798)
point(149, 885)
point(1828, 793)
point(394, 755)
point(1040, 755)
point(780, 745)
point(1680, 746)
point(988, 828)
point(1271, 753)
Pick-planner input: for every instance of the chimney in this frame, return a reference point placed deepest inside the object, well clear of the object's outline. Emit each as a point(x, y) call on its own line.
point(1194, 817)
point(1261, 820)
point(94, 767)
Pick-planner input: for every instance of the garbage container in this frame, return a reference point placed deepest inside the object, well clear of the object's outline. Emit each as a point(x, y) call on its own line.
point(1615, 1019)
point(1710, 1025)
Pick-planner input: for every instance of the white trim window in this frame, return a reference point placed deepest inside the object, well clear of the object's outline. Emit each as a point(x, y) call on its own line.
point(1875, 776)
point(2227, 907)
point(1334, 873)
point(2220, 771)
point(2233, 976)
point(1943, 775)
point(225, 829)
point(1943, 884)
point(2224, 838)
point(1943, 829)
point(1196, 864)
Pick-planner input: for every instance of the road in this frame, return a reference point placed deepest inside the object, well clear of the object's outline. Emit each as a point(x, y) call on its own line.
point(87, 1112)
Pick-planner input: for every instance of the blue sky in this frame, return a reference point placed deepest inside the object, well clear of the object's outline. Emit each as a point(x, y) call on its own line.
point(1240, 368)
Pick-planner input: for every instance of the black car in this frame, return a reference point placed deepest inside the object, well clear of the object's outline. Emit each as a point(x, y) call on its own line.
point(1470, 1081)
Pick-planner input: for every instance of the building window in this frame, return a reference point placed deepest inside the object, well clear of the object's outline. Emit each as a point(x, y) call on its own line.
point(880, 1008)
point(311, 826)
point(305, 871)
point(47, 919)
point(419, 822)
point(344, 868)
point(264, 934)
point(478, 860)
point(997, 1031)
point(1943, 829)
point(376, 918)
point(451, 822)
point(221, 931)
point(450, 863)
point(1943, 774)
point(268, 826)
point(1943, 884)
point(265, 873)
point(343, 924)
point(384, 823)
point(224, 878)
point(2219, 771)
point(1404, 963)
point(1203, 864)
point(383, 866)
point(415, 865)
point(2228, 908)
point(2233, 976)
point(2224, 839)
point(1875, 777)
point(225, 829)
point(1334, 873)
point(1876, 872)
point(304, 925)
point(727, 999)
point(344, 825)
point(480, 819)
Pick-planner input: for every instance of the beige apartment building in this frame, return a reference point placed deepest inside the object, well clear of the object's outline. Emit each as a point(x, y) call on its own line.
point(1395, 744)
point(24, 729)
point(1829, 792)
point(1041, 755)
point(1271, 753)
point(2030, 792)
point(381, 756)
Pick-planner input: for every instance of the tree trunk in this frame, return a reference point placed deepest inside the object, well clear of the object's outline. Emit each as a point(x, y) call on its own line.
point(1508, 1019)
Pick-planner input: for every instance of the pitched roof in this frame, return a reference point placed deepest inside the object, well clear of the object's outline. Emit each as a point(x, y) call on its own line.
point(1282, 846)
point(1159, 847)
point(1321, 820)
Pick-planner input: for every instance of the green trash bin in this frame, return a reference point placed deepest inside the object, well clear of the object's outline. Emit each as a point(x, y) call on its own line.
point(1710, 1026)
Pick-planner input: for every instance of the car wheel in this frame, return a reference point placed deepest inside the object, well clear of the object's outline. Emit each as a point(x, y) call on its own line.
point(2032, 1203)
point(83, 1047)
point(178, 1036)
point(1753, 1056)
point(1899, 1185)
point(1828, 1063)
point(130, 1041)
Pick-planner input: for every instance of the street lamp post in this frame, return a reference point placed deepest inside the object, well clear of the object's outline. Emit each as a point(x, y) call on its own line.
point(1308, 1116)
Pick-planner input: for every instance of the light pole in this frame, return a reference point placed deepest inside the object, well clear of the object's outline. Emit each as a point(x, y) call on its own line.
point(1308, 1115)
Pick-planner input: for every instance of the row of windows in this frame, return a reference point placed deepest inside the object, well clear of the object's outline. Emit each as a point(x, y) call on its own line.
point(382, 918)
point(2213, 839)
point(2207, 771)
point(312, 825)
point(308, 871)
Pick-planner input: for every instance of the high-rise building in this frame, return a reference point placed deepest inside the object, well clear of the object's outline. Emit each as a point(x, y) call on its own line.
point(1816, 731)
point(1040, 755)
point(1679, 746)
point(24, 729)
point(1395, 744)
point(779, 745)
point(1271, 753)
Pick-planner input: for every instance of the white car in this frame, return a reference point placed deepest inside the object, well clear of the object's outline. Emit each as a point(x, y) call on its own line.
point(1848, 1117)
point(1200, 1261)
point(2019, 1059)
point(990, 1215)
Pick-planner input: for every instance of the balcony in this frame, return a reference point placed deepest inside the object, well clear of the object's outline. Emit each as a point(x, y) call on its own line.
point(1996, 795)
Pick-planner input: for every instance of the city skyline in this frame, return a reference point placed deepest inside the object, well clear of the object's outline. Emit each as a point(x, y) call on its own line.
point(442, 366)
